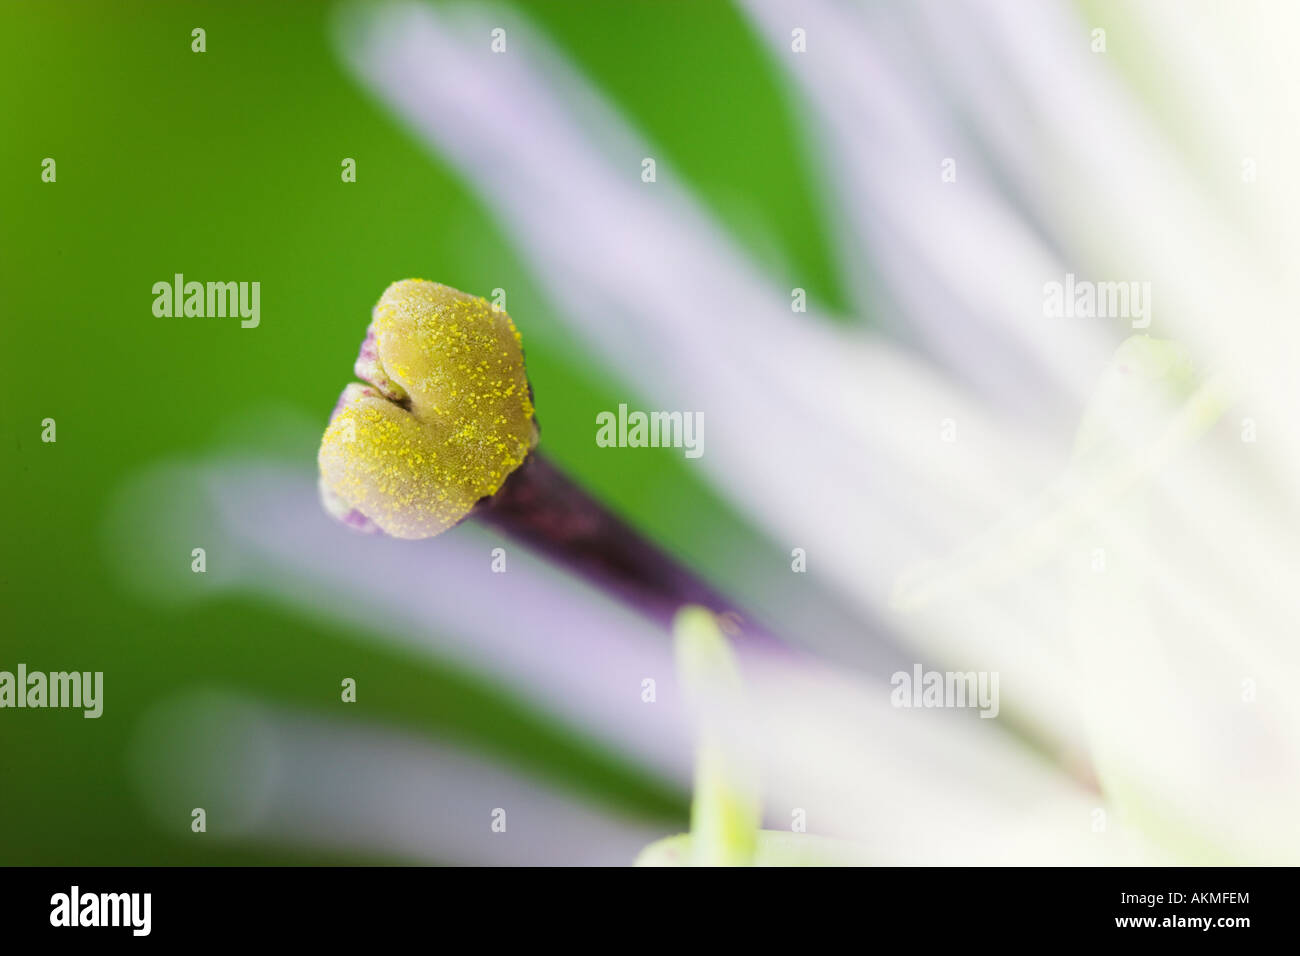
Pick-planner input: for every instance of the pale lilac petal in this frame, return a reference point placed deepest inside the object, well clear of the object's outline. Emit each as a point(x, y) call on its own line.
point(552, 640)
point(965, 266)
point(270, 775)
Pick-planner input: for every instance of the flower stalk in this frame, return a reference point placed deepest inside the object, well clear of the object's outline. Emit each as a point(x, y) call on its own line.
point(543, 508)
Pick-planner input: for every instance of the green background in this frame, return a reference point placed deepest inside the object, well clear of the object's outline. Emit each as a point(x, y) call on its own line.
point(226, 164)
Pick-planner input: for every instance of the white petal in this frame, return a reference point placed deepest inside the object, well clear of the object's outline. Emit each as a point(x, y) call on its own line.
point(553, 641)
point(276, 776)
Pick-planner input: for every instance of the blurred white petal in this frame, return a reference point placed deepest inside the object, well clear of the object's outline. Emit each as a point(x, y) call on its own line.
point(967, 270)
point(286, 778)
point(916, 787)
point(549, 638)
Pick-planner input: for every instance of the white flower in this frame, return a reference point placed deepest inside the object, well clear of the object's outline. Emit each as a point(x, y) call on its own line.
point(934, 457)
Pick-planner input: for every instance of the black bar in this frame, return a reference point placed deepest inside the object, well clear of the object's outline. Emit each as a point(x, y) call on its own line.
point(968, 906)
